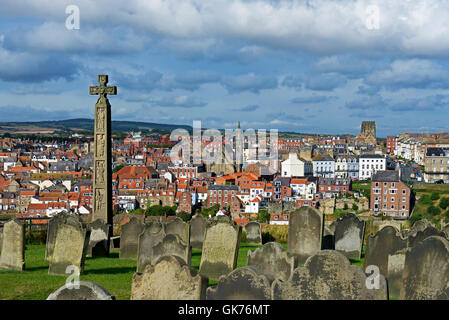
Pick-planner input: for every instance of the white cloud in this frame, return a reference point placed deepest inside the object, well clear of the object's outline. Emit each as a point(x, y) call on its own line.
point(324, 26)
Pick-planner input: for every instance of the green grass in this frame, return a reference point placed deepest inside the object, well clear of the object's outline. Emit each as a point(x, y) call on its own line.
point(112, 273)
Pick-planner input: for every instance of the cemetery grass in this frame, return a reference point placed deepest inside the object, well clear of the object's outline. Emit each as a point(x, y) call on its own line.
point(112, 273)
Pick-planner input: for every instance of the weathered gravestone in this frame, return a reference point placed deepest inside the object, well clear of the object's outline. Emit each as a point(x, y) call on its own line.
point(272, 261)
point(152, 234)
point(129, 238)
point(395, 268)
point(349, 233)
point(172, 245)
point(169, 279)
point(241, 284)
point(98, 241)
point(70, 248)
point(220, 247)
point(328, 275)
point(87, 290)
point(179, 228)
point(13, 246)
point(305, 231)
point(385, 242)
point(53, 225)
point(197, 231)
point(426, 271)
point(416, 237)
point(253, 232)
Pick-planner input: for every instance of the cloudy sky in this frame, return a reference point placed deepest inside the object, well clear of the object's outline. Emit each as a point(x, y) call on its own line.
point(305, 66)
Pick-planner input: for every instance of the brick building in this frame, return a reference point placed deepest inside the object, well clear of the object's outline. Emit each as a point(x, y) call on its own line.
point(221, 194)
point(389, 195)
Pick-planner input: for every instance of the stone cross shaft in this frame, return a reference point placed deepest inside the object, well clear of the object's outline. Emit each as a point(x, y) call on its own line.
point(102, 179)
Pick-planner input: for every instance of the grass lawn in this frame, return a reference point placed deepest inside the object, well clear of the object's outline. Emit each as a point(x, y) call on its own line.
point(112, 273)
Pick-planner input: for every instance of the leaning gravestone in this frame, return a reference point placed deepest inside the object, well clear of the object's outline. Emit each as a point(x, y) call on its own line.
point(169, 279)
point(305, 231)
point(129, 238)
point(98, 241)
point(172, 245)
point(87, 290)
point(385, 242)
point(197, 231)
point(241, 284)
point(70, 248)
point(349, 233)
point(179, 228)
point(220, 247)
point(53, 225)
point(395, 268)
point(426, 271)
point(152, 234)
point(420, 235)
point(13, 246)
point(328, 275)
point(253, 233)
point(272, 261)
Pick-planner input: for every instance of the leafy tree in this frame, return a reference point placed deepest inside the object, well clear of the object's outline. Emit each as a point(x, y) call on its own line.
point(444, 203)
point(355, 207)
point(263, 215)
point(435, 196)
point(136, 211)
point(159, 210)
point(433, 211)
point(345, 207)
point(426, 200)
point(185, 216)
point(117, 168)
point(210, 211)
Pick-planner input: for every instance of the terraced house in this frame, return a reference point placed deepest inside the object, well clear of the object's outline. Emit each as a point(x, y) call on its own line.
point(436, 165)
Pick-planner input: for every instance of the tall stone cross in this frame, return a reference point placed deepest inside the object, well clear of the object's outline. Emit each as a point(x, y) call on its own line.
point(102, 184)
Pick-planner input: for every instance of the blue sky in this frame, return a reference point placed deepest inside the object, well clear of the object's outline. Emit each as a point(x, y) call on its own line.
point(304, 66)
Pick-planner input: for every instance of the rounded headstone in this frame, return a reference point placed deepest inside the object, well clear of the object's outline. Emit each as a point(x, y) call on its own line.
point(168, 279)
point(87, 290)
point(241, 284)
point(329, 275)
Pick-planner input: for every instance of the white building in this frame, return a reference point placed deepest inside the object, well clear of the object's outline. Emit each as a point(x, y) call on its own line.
point(347, 166)
point(294, 167)
point(369, 164)
point(323, 166)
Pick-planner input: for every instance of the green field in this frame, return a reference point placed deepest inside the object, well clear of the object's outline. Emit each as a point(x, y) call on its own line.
point(114, 274)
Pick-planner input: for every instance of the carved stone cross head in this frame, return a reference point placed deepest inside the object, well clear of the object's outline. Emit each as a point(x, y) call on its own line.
point(102, 90)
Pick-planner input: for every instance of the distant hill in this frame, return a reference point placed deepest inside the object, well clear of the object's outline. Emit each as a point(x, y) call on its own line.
point(76, 125)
